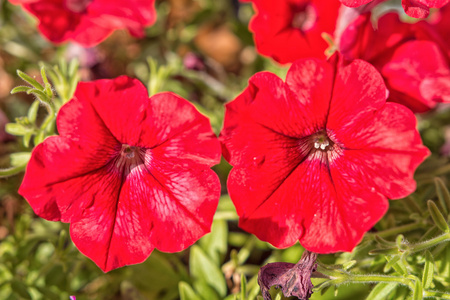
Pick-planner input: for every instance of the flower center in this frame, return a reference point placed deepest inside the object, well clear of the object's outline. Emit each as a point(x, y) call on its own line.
point(304, 17)
point(320, 145)
point(322, 142)
point(77, 6)
point(129, 158)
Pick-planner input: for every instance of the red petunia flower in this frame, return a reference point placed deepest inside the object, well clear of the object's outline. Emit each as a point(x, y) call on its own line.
point(421, 8)
point(316, 157)
point(287, 30)
point(413, 8)
point(413, 63)
point(129, 173)
point(88, 22)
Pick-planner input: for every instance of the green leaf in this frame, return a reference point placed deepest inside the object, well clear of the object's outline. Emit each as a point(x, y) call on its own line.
point(39, 137)
point(32, 112)
point(26, 139)
point(204, 290)
point(391, 262)
point(383, 242)
point(158, 270)
point(243, 287)
point(19, 158)
point(8, 172)
point(20, 289)
point(186, 292)
point(203, 268)
point(381, 291)
point(215, 243)
point(16, 129)
point(428, 270)
point(40, 95)
point(418, 291)
point(20, 89)
point(348, 265)
point(30, 80)
point(438, 218)
point(387, 251)
point(443, 194)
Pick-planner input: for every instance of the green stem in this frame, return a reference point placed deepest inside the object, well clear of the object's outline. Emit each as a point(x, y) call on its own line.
point(397, 230)
point(430, 243)
point(436, 294)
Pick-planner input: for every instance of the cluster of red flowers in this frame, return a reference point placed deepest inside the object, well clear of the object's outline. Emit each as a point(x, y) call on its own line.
point(315, 157)
point(88, 22)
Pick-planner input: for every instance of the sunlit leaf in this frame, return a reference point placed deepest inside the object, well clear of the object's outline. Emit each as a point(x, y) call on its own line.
point(203, 268)
point(186, 292)
point(381, 291)
point(437, 216)
point(428, 270)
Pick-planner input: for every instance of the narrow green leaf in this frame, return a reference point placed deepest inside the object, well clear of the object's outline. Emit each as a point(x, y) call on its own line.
point(30, 80)
point(20, 89)
point(40, 95)
point(383, 242)
point(387, 251)
point(205, 291)
point(73, 67)
point(39, 138)
point(348, 265)
point(391, 261)
point(16, 129)
point(44, 76)
point(215, 243)
point(26, 139)
point(443, 194)
point(438, 218)
point(203, 268)
point(418, 291)
point(398, 265)
point(32, 112)
point(428, 270)
point(243, 287)
point(19, 158)
point(381, 291)
point(399, 241)
point(8, 172)
point(186, 292)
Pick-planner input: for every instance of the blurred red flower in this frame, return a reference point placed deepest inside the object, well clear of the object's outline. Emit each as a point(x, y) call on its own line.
point(316, 157)
point(287, 30)
point(413, 8)
point(88, 22)
point(421, 8)
point(129, 173)
point(412, 58)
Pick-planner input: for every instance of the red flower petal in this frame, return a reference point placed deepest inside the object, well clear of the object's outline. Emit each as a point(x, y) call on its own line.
point(288, 30)
point(397, 51)
point(301, 179)
point(355, 3)
point(89, 22)
point(415, 81)
point(130, 173)
point(421, 8)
